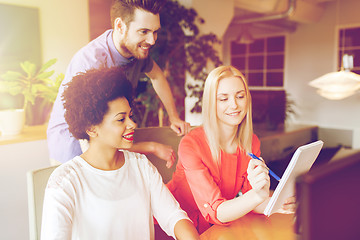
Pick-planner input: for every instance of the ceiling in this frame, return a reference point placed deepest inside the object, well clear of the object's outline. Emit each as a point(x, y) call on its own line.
point(277, 15)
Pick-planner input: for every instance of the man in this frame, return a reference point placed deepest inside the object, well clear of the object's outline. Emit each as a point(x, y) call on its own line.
point(135, 26)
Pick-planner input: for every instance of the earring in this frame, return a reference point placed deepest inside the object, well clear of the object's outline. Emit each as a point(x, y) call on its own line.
point(92, 133)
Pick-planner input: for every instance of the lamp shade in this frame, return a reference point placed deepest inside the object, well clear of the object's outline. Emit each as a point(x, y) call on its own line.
point(245, 38)
point(337, 85)
point(335, 95)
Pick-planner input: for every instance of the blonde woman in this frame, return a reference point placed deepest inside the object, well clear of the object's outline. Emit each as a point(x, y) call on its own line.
point(215, 180)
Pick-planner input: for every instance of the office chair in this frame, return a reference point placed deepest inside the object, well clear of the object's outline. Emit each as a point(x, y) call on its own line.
point(162, 135)
point(36, 183)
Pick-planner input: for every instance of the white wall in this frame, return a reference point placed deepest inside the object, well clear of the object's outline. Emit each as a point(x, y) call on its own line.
point(15, 161)
point(64, 28)
point(312, 53)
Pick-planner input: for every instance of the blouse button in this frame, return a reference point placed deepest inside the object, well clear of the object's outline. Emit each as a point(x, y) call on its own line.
point(206, 205)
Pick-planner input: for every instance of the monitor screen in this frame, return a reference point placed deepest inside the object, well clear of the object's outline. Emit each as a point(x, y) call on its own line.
point(328, 199)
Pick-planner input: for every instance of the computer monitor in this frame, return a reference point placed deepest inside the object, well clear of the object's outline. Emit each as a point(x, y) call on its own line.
point(328, 199)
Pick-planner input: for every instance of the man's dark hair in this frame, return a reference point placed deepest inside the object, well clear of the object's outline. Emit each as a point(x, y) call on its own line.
point(87, 96)
point(125, 9)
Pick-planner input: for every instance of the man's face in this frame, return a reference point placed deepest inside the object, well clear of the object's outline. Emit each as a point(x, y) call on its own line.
point(140, 34)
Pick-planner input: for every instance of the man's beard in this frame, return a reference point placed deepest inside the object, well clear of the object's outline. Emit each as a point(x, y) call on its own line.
point(134, 49)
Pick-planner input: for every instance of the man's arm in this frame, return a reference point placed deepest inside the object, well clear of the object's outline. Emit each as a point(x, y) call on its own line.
point(162, 151)
point(163, 90)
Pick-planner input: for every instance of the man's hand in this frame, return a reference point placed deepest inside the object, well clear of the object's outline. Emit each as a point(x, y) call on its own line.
point(162, 151)
point(165, 152)
point(179, 126)
point(163, 90)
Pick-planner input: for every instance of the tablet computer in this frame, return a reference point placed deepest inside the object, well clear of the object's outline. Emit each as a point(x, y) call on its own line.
point(301, 162)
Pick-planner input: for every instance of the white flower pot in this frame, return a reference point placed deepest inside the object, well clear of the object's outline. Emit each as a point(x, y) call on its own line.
point(11, 121)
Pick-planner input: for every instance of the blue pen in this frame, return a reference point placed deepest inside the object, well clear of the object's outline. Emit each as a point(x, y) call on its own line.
point(271, 172)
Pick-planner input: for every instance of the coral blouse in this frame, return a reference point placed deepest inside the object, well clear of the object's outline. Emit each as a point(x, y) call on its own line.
point(200, 185)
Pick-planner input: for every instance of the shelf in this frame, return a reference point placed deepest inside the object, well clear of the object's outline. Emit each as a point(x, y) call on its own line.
point(30, 133)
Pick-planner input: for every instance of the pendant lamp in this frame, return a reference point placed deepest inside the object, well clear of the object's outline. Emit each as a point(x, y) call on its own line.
point(337, 85)
point(341, 84)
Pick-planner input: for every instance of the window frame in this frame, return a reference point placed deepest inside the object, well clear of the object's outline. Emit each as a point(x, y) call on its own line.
point(341, 48)
point(265, 54)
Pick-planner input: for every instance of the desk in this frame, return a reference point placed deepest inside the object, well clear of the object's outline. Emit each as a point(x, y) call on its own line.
point(254, 227)
point(29, 133)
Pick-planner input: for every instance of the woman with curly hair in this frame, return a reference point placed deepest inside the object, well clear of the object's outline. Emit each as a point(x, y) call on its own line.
point(107, 192)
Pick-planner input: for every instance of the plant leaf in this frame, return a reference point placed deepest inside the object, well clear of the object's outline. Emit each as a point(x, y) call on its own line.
point(29, 97)
point(11, 76)
point(29, 68)
point(10, 88)
point(32, 84)
point(49, 92)
point(45, 75)
point(48, 64)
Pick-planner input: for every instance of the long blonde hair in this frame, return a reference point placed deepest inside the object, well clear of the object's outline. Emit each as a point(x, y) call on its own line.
point(210, 121)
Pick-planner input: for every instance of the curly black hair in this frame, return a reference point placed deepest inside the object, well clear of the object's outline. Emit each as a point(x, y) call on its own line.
point(87, 95)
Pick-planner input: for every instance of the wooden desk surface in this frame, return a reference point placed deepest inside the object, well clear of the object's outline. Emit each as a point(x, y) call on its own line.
point(29, 133)
point(254, 227)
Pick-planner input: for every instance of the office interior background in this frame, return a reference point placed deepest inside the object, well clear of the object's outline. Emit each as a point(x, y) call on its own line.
point(311, 48)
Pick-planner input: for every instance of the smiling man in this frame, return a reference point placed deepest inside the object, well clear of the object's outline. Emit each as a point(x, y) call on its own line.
point(134, 39)
point(135, 26)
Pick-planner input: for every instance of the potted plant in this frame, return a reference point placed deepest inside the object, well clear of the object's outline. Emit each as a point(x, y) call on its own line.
point(27, 95)
point(180, 49)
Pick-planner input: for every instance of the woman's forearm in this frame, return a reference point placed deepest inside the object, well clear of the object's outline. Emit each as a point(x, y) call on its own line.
point(184, 229)
point(233, 209)
point(261, 207)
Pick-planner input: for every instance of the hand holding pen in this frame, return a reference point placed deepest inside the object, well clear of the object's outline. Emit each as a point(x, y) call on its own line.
point(253, 156)
point(259, 178)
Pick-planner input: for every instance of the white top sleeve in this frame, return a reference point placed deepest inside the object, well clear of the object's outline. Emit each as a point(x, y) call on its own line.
point(167, 216)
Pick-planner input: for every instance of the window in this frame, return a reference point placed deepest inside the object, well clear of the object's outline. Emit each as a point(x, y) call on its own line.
point(349, 43)
point(20, 37)
point(262, 62)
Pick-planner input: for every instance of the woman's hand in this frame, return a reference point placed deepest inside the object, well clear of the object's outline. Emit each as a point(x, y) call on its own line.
point(289, 206)
point(165, 152)
point(258, 176)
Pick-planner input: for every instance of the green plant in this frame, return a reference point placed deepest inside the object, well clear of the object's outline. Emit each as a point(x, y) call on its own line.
point(33, 84)
point(180, 48)
point(290, 109)
point(146, 103)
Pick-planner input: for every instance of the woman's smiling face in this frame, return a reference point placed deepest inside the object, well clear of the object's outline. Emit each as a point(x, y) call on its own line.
point(231, 101)
point(117, 127)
